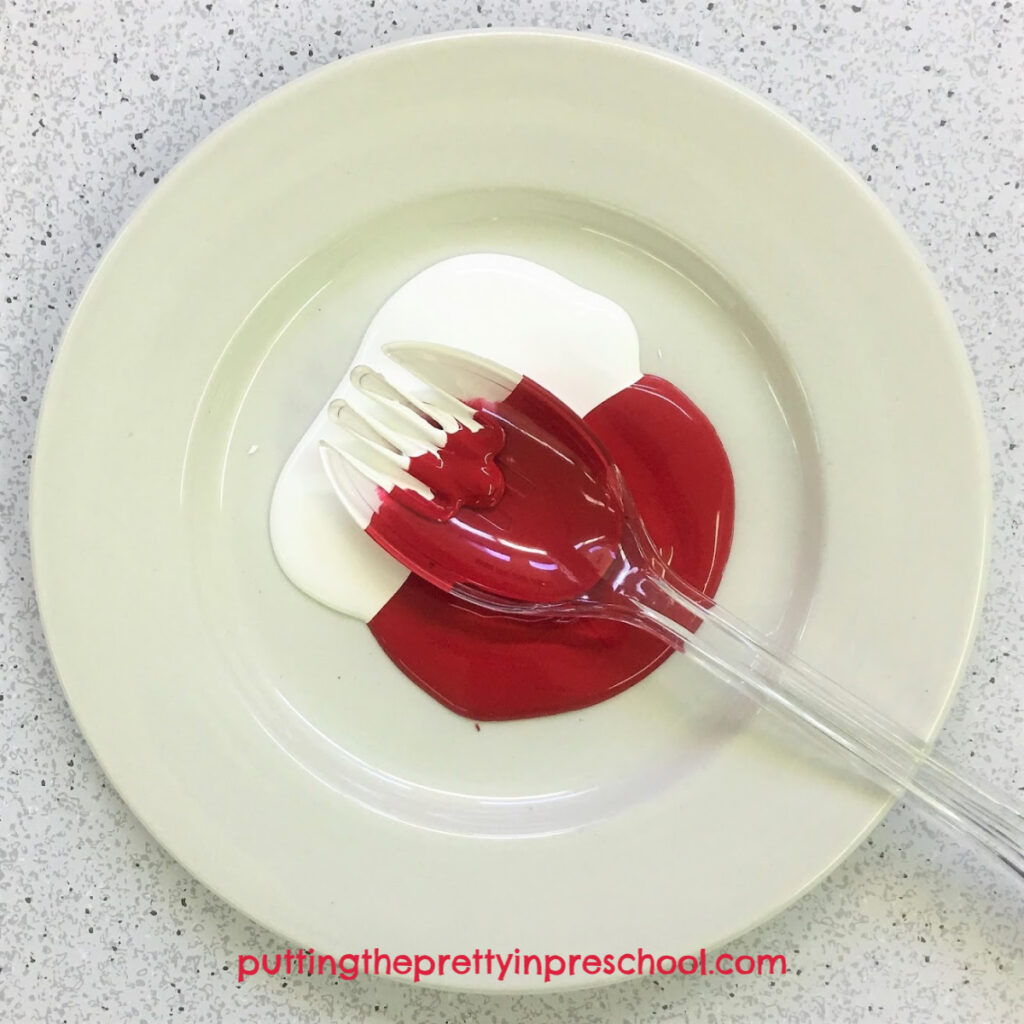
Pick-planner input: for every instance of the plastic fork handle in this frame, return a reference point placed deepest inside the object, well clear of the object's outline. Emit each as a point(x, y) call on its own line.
point(781, 682)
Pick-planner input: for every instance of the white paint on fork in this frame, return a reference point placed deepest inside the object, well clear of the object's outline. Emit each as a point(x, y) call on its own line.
point(412, 427)
point(383, 427)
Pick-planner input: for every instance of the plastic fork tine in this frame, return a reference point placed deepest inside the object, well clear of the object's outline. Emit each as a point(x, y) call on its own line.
point(350, 419)
point(368, 453)
point(453, 376)
point(357, 493)
point(441, 381)
point(411, 425)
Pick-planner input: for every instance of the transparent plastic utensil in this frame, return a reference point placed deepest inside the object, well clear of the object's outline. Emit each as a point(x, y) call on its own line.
point(611, 569)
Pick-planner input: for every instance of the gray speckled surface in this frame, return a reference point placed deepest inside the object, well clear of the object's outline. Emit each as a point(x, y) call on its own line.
point(98, 99)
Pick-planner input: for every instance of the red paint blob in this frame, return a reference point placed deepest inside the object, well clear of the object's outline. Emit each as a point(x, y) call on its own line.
point(492, 667)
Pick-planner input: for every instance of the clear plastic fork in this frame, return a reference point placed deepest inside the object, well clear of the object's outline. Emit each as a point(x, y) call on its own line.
point(392, 422)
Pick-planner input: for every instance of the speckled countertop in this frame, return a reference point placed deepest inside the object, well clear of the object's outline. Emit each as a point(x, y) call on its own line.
point(99, 98)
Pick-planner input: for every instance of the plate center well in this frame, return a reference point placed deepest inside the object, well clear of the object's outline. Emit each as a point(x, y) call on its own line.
point(317, 681)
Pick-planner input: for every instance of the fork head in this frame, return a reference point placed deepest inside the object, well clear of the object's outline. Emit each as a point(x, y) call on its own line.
point(413, 435)
point(416, 465)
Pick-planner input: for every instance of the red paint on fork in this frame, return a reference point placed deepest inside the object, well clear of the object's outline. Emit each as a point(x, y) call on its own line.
point(556, 528)
point(462, 474)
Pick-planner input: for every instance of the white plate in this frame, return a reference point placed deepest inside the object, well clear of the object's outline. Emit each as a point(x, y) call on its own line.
point(265, 741)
